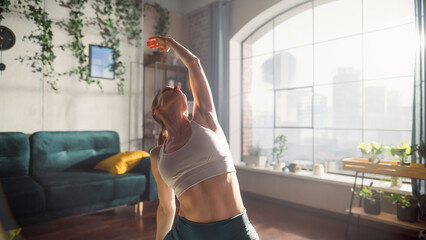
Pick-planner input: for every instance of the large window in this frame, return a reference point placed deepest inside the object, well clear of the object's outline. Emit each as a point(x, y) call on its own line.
point(329, 75)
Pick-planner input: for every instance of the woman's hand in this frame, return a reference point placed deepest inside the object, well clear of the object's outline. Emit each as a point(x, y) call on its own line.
point(158, 42)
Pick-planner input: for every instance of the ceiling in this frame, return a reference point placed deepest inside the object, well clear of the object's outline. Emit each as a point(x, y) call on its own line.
point(182, 6)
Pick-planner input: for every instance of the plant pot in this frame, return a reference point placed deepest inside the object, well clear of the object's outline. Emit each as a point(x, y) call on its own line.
point(372, 205)
point(255, 160)
point(278, 165)
point(407, 214)
point(294, 167)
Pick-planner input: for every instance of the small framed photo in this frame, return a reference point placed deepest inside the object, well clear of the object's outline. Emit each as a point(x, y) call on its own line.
point(101, 60)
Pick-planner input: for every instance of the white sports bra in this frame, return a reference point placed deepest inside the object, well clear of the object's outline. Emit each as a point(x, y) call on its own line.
point(205, 155)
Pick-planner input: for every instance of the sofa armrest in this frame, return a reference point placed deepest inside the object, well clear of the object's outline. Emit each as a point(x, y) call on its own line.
point(144, 167)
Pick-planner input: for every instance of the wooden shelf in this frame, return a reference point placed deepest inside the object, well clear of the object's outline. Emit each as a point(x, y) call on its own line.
point(389, 219)
point(166, 66)
point(417, 171)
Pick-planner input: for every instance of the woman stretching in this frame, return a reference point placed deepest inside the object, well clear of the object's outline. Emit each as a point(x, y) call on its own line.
point(193, 160)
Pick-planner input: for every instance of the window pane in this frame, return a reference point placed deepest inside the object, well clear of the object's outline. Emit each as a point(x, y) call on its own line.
point(388, 103)
point(299, 143)
point(260, 42)
point(262, 137)
point(294, 28)
point(335, 19)
point(293, 68)
point(294, 108)
point(389, 53)
point(338, 106)
point(258, 109)
point(338, 61)
point(386, 13)
point(257, 73)
point(335, 145)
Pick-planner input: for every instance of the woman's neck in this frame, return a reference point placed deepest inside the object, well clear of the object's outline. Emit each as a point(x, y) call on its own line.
point(177, 129)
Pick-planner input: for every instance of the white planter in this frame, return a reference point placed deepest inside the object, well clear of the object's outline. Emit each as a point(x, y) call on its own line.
point(278, 166)
point(255, 160)
point(318, 170)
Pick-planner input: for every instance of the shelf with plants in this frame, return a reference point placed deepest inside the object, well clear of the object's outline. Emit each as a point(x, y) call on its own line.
point(407, 205)
point(389, 218)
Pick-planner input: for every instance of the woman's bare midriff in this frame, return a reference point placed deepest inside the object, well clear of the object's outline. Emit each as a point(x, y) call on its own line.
point(217, 198)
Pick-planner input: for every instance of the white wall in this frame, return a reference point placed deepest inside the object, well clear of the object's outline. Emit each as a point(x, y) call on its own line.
point(29, 105)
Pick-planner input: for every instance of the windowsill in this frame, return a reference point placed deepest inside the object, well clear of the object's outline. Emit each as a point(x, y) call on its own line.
point(329, 178)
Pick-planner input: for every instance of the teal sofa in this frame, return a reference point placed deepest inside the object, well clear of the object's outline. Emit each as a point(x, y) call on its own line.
point(50, 175)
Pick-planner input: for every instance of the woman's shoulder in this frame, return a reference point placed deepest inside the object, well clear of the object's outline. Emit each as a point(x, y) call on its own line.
point(155, 152)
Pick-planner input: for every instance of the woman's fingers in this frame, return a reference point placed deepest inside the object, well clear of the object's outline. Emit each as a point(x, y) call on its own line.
point(158, 42)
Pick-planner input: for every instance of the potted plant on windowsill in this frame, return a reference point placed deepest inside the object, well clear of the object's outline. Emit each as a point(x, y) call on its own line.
point(255, 157)
point(407, 209)
point(278, 152)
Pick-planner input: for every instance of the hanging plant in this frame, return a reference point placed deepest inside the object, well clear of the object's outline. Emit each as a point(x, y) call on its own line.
point(4, 8)
point(74, 26)
point(128, 14)
point(161, 28)
point(42, 61)
point(109, 32)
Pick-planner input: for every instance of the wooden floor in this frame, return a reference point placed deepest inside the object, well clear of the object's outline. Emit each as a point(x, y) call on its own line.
point(271, 219)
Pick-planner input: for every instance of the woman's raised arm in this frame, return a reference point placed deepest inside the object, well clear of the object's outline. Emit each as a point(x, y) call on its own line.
point(203, 100)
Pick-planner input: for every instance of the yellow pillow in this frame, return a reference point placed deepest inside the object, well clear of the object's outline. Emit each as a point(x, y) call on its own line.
point(121, 162)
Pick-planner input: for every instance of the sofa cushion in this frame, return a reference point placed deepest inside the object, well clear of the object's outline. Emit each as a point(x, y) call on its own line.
point(59, 151)
point(24, 195)
point(121, 162)
point(73, 189)
point(14, 154)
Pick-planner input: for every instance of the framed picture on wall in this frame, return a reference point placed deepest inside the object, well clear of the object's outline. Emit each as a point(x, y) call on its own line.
point(101, 62)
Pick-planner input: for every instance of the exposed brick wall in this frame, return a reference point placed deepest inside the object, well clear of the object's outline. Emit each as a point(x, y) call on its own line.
point(199, 34)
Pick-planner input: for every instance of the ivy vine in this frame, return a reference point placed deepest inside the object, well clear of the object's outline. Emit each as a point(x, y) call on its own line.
point(129, 13)
point(74, 26)
point(109, 15)
point(42, 61)
point(162, 26)
point(109, 32)
point(4, 8)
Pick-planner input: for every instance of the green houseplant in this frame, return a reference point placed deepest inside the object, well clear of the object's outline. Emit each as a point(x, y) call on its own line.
point(371, 199)
point(278, 151)
point(407, 209)
point(372, 151)
point(402, 151)
point(421, 149)
point(255, 157)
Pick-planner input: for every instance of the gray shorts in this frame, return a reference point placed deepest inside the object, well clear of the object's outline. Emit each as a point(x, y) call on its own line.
point(235, 228)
